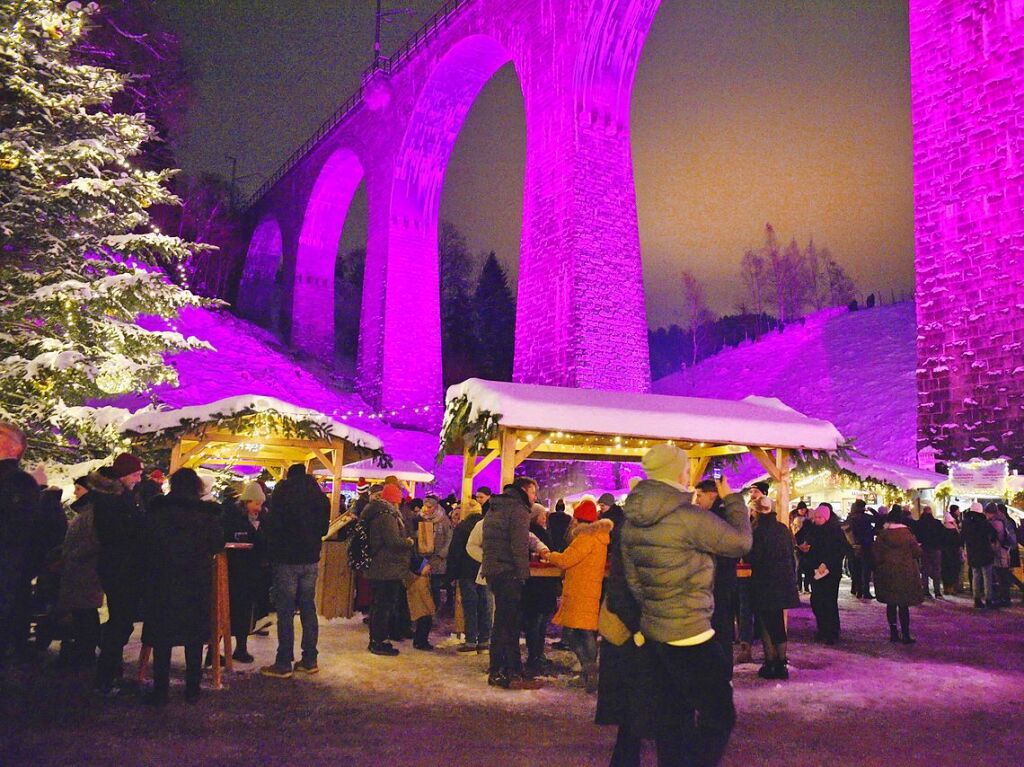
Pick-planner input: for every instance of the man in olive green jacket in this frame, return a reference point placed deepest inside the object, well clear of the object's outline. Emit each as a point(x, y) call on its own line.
point(668, 548)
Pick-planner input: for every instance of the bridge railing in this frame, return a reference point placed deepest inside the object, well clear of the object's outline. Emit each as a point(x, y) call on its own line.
point(384, 64)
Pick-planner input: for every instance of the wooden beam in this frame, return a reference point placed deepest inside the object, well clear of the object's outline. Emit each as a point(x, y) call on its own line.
point(327, 462)
point(507, 439)
point(468, 472)
point(701, 452)
point(527, 449)
point(175, 457)
point(228, 438)
point(697, 468)
point(767, 461)
point(782, 502)
point(192, 452)
point(484, 462)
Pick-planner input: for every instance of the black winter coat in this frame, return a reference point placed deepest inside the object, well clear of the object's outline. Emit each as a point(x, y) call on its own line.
point(247, 568)
point(929, 532)
point(558, 528)
point(625, 684)
point(828, 545)
point(19, 498)
point(772, 562)
point(179, 537)
point(460, 564)
point(978, 536)
point(540, 595)
point(118, 522)
point(298, 520)
point(390, 547)
point(863, 530)
point(506, 538)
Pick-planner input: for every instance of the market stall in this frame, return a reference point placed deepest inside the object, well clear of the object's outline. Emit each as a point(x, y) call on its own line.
point(858, 477)
point(260, 432)
point(409, 473)
point(487, 421)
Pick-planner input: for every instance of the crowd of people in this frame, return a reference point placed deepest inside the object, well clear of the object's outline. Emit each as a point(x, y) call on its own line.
point(658, 599)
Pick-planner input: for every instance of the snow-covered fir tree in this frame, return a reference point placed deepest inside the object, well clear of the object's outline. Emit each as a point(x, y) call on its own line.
point(79, 259)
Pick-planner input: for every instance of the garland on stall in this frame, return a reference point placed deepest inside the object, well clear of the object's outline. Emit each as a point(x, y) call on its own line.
point(460, 425)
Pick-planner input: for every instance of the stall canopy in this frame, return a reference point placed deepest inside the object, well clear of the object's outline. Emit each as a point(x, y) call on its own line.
point(487, 421)
point(254, 430)
point(409, 473)
point(904, 477)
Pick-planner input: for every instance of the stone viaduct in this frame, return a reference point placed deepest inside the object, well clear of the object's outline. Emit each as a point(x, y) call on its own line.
point(576, 61)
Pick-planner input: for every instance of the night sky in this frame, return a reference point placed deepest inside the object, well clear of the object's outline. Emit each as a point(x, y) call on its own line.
point(744, 111)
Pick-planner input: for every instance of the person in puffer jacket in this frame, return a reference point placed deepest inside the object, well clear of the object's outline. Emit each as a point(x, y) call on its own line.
point(668, 549)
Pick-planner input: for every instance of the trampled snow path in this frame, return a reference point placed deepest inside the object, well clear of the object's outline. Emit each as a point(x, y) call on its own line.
point(952, 699)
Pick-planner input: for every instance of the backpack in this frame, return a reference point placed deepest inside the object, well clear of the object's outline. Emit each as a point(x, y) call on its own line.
point(359, 556)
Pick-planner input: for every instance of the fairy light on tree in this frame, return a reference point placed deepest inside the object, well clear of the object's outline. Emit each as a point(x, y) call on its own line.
point(81, 260)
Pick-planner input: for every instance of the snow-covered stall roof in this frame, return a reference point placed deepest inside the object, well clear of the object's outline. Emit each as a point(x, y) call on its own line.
point(149, 421)
point(405, 471)
point(903, 477)
point(760, 421)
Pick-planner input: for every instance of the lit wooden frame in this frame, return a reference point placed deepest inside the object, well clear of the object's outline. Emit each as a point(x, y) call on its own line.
point(513, 445)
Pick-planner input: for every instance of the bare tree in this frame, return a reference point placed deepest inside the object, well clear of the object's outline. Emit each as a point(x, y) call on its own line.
point(695, 310)
point(753, 273)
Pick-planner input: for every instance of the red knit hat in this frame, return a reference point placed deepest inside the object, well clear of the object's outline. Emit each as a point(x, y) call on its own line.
point(126, 464)
point(585, 511)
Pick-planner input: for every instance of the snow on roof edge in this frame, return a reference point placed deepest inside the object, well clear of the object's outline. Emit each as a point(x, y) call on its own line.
point(755, 421)
point(150, 420)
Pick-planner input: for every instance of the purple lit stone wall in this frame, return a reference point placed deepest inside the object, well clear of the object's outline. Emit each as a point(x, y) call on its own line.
point(967, 73)
point(581, 318)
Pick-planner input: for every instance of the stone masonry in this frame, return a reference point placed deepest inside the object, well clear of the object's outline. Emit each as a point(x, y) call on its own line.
point(581, 318)
point(967, 74)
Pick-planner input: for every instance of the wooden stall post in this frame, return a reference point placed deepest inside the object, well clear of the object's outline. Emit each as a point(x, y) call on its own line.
point(507, 446)
point(782, 506)
point(468, 467)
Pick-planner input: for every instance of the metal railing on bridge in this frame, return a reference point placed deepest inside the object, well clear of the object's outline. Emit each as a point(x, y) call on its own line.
point(386, 65)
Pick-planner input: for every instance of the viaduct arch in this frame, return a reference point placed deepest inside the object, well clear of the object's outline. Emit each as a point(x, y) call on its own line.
point(576, 61)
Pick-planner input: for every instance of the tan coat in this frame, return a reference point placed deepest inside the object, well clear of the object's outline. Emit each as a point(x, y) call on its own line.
point(584, 563)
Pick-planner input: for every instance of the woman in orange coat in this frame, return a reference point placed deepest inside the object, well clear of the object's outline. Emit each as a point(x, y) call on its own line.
point(583, 563)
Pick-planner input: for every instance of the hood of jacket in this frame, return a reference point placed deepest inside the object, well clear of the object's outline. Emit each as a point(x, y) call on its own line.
point(102, 484)
point(437, 515)
point(601, 528)
point(375, 508)
point(652, 500)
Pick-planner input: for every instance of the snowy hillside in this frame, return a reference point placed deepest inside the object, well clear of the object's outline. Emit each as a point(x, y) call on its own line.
point(249, 360)
point(855, 369)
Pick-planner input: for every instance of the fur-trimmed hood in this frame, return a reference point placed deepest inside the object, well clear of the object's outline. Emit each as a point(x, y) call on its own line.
point(592, 528)
point(103, 484)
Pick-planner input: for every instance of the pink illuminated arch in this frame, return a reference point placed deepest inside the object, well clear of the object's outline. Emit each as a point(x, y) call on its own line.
point(312, 328)
point(402, 360)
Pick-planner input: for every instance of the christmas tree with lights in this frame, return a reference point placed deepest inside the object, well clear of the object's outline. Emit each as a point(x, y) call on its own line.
point(79, 258)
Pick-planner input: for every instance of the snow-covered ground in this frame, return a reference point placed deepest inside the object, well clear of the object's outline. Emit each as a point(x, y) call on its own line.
point(855, 369)
point(952, 699)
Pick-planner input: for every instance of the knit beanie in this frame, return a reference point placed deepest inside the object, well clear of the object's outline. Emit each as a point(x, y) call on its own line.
point(977, 508)
point(362, 486)
point(585, 511)
point(762, 486)
point(665, 462)
point(607, 499)
point(471, 507)
point(126, 464)
point(536, 510)
point(391, 494)
point(253, 492)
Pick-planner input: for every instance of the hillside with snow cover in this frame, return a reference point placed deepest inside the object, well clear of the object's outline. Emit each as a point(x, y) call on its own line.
point(855, 369)
point(250, 360)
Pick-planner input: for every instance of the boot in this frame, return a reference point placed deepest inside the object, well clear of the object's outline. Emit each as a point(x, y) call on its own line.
point(782, 663)
point(894, 635)
point(905, 638)
point(590, 677)
point(743, 655)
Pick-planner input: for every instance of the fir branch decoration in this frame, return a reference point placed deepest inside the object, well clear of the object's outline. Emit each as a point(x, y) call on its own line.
point(457, 426)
